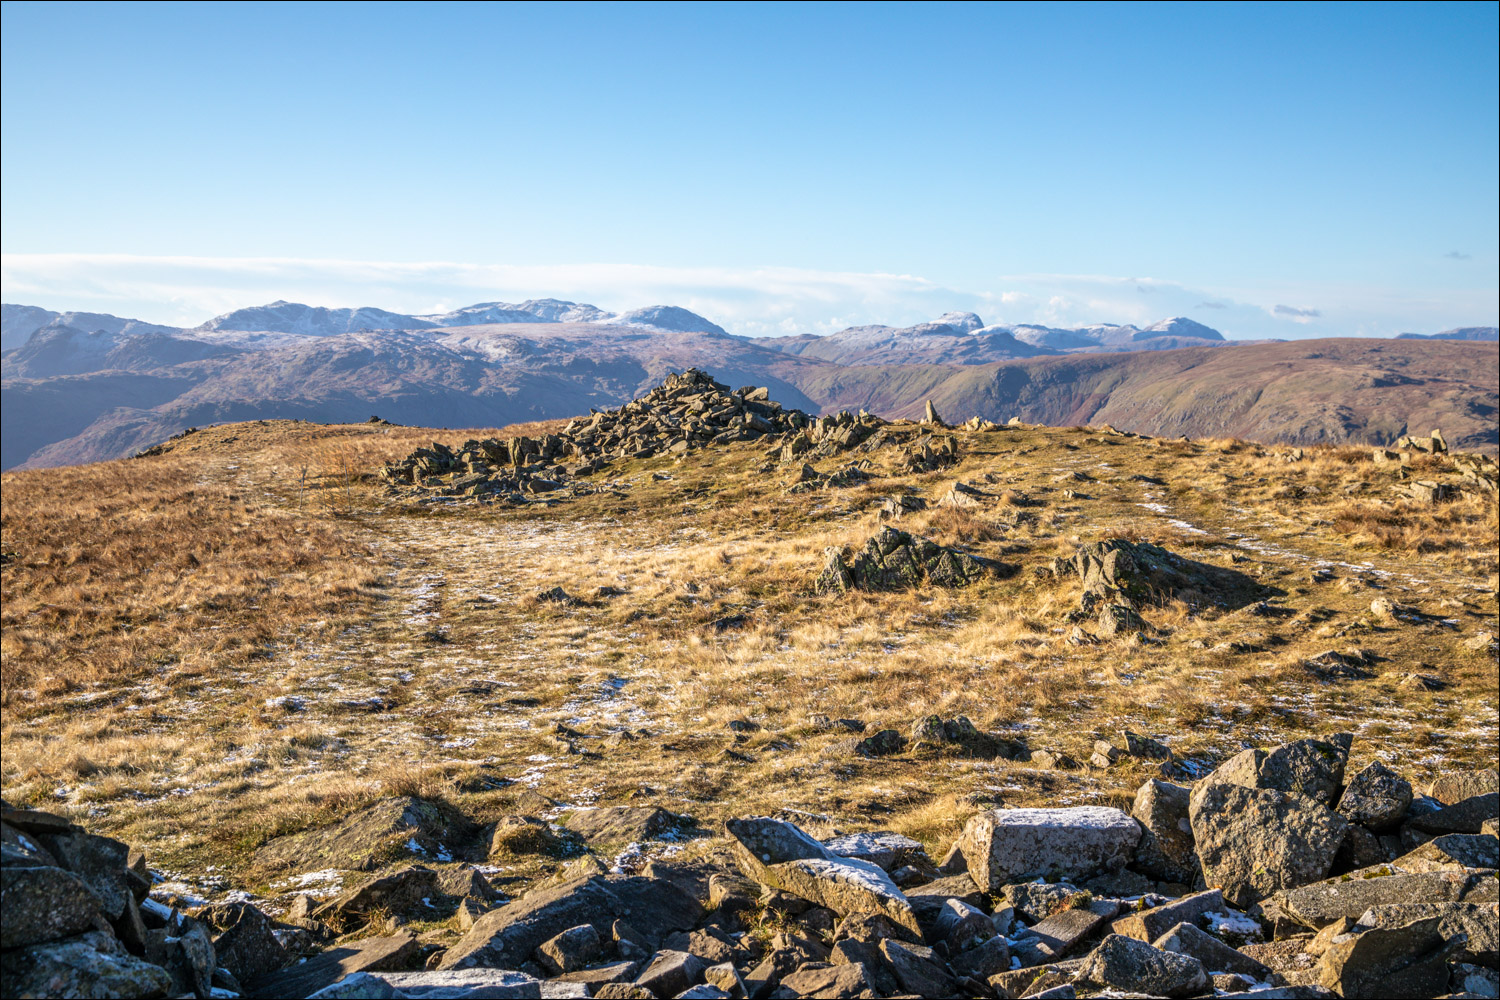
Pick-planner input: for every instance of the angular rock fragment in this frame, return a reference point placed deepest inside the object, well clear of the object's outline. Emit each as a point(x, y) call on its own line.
point(1312, 768)
point(777, 854)
point(1014, 845)
point(1165, 850)
point(1255, 841)
point(1148, 925)
point(1127, 964)
point(1215, 955)
point(1404, 961)
point(894, 560)
point(1376, 798)
point(1349, 896)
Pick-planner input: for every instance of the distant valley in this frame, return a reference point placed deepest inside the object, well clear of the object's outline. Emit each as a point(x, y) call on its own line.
point(86, 386)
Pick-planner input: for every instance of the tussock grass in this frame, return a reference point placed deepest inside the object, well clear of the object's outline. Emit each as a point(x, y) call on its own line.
point(249, 636)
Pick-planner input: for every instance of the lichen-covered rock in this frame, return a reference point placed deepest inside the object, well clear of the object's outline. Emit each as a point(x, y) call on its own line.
point(1402, 961)
point(43, 903)
point(1348, 896)
point(895, 560)
point(88, 965)
point(384, 831)
point(1166, 847)
point(777, 854)
point(1479, 923)
point(1311, 768)
point(1013, 845)
point(1255, 841)
point(1123, 963)
point(1376, 798)
point(506, 937)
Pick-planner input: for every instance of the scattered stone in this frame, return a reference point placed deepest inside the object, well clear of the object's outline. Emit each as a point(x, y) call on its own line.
point(1465, 816)
point(1012, 845)
point(45, 904)
point(671, 972)
point(1148, 925)
point(508, 936)
point(1455, 787)
point(569, 950)
point(93, 964)
point(1215, 955)
point(917, 969)
point(1036, 901)
point(1312, 768)
point(1452, 851)
point(371, 954)
point(1477, 923)
point(1054, 937)
point(887, 850)
point(957, 735)
point(1166, 848)
point(895, 560)
point(779, 855)
point(365, 840)
point(615, 823)
point(1127, 964)
point(1322, 903)
point(1404, 961)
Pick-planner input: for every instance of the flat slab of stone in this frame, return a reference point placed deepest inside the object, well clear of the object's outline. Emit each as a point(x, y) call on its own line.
point(490, 984)
point(614, 823)
point(1054, 937)
point(1322, 903)
point(506, 937)
point(1017, 845)
point(884, 849)
point(328, 967)
point(365, 840)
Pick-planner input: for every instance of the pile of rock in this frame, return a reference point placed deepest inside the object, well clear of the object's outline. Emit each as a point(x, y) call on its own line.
point(1222, 888)
point(686, 412)
point(892, 560)
point(1219, 889)
point(78, 921)
point(1477, 474)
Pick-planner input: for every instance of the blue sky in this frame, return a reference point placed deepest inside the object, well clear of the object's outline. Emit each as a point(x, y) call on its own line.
point(781, 169)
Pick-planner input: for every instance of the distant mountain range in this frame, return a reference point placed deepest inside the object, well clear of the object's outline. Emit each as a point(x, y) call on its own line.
point(88, 386)
point(1484, 333)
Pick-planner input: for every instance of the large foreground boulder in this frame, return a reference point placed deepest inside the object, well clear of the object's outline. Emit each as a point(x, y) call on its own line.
point(1253, 842)
point(1015, 845)
point(94, 964)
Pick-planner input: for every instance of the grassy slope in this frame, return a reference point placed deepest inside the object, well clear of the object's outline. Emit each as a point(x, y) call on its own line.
point(153, 607)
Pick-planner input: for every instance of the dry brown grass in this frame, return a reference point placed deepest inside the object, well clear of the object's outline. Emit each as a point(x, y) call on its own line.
point(168, 721)
point(119, 570)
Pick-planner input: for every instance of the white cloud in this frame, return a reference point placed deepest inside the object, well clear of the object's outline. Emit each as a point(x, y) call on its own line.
point(753, 301)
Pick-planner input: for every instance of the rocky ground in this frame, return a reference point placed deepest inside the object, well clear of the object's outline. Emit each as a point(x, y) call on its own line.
point(1279, 874)
point(543, 678)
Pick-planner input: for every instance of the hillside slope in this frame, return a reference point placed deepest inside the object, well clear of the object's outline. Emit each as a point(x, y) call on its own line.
point(1308, 392)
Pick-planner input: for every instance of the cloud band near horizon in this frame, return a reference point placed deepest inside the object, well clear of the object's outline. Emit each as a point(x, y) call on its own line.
point(761, 301)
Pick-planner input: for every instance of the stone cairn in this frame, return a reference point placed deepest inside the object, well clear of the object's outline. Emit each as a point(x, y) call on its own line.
point(1472, 473)
point(687, 412)
point(1275, 875)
